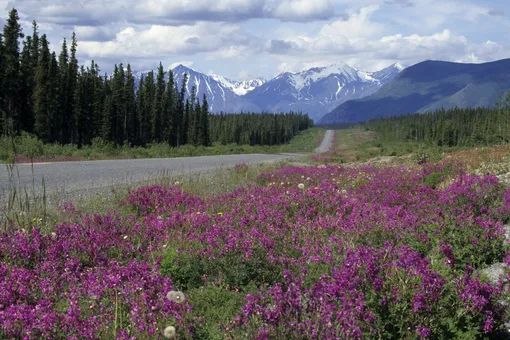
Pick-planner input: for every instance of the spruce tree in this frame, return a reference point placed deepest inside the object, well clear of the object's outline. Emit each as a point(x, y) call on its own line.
point(119, 114)
point(168, 109)
point(63, 100)
point(41, 96)
point(180, 124)
point(206, 139)
point(131, 123)
point(3, 113)
point(97, 101)
point(11, 68)
point(149, 91)
point(140, 106)
point(106, 119)
point(69, 129)
point(27, 72)
point(158, 106)
point(53, 93)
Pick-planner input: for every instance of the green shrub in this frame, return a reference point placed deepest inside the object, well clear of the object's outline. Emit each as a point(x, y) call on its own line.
point(434, 179)
point(189, 270)
point(29, 145)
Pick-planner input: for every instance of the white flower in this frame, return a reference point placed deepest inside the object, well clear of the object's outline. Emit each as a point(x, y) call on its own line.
point(125, 237)
point(169, 332)
point(301, 186)
point(308, 178)
point(176, 296)
point(177, 183)
point(282, 183)
point(53, 234)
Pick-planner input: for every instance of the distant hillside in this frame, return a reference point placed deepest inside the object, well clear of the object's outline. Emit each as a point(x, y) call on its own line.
point(428, 86)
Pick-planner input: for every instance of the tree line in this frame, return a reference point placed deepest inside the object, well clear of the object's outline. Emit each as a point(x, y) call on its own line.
point(257, 128)
point(59, 101)
point(452, 127)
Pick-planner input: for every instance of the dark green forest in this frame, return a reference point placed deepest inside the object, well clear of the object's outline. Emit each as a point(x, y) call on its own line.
point(59, 101)
point(453, 127)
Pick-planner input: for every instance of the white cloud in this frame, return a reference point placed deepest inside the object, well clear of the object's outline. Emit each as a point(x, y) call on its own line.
point(296, 10)
point(361, 42)
point(358, 25)
point(164, 41)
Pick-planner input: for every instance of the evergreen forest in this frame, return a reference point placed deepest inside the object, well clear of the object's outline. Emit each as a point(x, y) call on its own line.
point(59, 101)
point(453, 127)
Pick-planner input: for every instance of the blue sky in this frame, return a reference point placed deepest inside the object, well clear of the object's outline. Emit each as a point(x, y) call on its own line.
point(243, 39)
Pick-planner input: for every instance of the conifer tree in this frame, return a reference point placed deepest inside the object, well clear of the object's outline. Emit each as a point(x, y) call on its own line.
point(140, 106)
point(106, 119)
point(3, 113)
point(26, 113)
point(119, 114)
point(131, 122)
point(181, 128)
point(158, 106)
point(11, 68)
point(41, 98)
point(206, 140)
point(168, 109)
point(97, 101)
point(53, 93)
point(63, 100)
point(69, 130)
point(149, 91)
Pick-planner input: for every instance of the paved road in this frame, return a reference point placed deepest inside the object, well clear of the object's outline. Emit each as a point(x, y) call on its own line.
point(71, 176)
point(326, 142)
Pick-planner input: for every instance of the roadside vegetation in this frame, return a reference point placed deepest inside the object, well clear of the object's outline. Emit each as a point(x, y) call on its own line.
point(28, 148)
point(348, 247)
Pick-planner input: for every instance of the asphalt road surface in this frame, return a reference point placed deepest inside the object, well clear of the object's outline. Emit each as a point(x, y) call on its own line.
point(326, 142)
point(84, 175)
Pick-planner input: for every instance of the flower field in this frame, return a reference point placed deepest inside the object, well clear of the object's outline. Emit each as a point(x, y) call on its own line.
point(312, 252)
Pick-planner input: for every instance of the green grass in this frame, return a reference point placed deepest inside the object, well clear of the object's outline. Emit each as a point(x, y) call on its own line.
point(27, 148)
point(359, 145)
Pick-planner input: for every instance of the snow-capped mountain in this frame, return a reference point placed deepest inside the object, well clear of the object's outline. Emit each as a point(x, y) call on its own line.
point(316, 91)
point(319, 90)
point(239, 87)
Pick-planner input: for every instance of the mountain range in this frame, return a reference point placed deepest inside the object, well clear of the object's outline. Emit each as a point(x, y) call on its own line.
point(315, 91)
point(426, 87)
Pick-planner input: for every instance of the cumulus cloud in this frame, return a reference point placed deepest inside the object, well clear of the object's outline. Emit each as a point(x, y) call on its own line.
point(302, 10)
point(175, 12)
point(159, 41)
point(281, 46)
point(219, 32)
point(93, 33)
point(363, 43)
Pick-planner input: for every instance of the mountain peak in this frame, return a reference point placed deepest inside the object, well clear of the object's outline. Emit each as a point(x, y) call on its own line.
point(184, 68)
point(398, 66)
